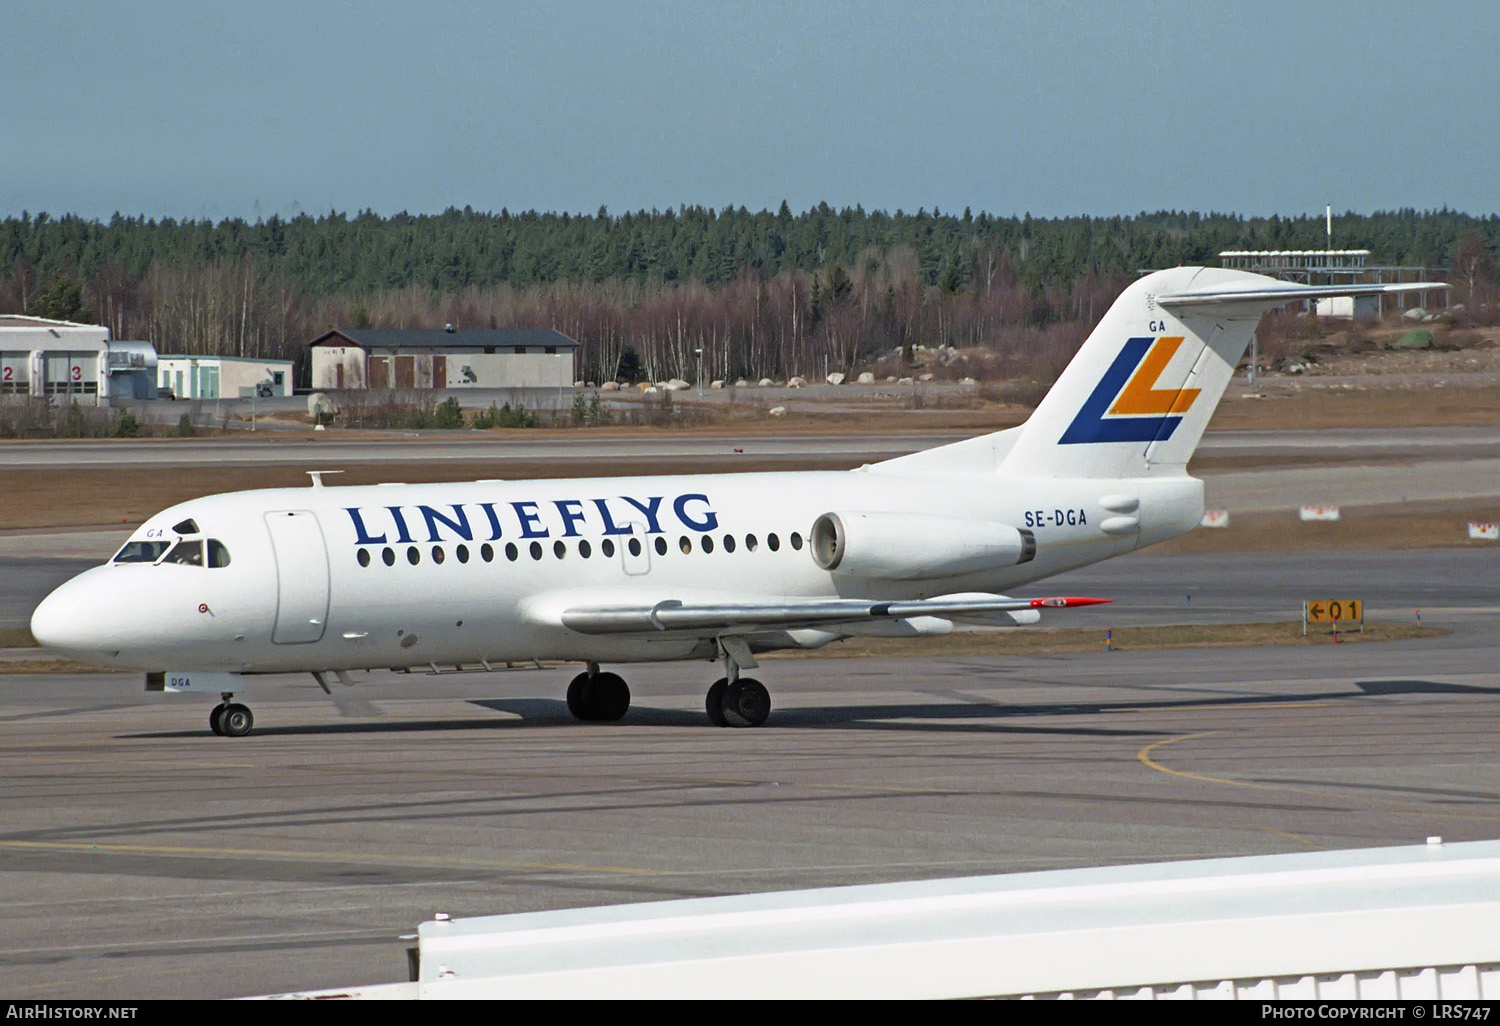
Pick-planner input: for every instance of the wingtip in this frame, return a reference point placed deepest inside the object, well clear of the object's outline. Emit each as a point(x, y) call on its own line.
point(1067, 602)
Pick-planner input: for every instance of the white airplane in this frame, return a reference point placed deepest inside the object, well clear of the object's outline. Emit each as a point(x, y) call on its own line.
point(209, 593)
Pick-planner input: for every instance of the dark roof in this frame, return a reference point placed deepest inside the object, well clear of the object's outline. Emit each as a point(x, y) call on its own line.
point(437, 338)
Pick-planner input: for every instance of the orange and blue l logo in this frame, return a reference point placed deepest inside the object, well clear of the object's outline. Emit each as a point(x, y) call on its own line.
point(1127, 406)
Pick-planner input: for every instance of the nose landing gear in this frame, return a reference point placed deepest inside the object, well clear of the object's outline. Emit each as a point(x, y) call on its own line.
point(230, 719)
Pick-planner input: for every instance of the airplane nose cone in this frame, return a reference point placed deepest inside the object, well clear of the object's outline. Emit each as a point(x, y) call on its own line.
point(61, 622)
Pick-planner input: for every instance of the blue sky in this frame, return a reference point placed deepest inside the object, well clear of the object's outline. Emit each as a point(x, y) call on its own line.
point(209, 109)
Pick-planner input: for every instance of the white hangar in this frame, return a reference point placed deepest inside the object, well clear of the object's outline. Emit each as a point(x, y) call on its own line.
point(43, 357)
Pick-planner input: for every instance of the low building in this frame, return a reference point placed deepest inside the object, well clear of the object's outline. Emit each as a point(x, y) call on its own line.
point(448, 358)
point(223, 377)
point(42, 357)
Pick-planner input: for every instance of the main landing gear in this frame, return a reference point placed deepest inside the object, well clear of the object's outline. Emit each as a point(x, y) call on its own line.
point(741, 703)
point(735, 701)
point(598, 696)
point(230, 719)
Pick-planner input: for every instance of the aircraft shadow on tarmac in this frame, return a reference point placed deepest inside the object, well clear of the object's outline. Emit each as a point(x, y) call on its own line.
point(920, 716)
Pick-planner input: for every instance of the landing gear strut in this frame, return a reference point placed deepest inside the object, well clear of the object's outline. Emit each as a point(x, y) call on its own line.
point(595, 696)
point(230, 719)
point(735, 701)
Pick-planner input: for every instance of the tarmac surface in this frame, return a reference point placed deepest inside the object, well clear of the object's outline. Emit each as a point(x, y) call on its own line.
point(141, 857)
point(330, 449)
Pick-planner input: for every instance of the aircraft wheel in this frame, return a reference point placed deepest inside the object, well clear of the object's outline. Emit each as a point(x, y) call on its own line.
point(236, 720)
point(747, 703)
point(576, 692)
point(715, 702)
point(213, 719)
point(607, 697)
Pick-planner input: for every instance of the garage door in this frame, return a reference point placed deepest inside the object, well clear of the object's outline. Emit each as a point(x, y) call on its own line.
point(70, 373)
point(15, 372)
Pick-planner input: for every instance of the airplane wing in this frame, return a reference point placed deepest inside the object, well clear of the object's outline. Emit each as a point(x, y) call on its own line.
point(675, 615)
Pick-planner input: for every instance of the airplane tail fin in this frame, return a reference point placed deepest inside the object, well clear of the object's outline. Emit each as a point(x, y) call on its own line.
point(1137, 397)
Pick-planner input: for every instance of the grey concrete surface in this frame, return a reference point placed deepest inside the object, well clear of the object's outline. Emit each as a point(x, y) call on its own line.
point(142, 857)
point(331, 450)
point(328, 450)
point(1361, 485)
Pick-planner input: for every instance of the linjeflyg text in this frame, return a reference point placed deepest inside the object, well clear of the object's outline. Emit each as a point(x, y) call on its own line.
point(553, 518)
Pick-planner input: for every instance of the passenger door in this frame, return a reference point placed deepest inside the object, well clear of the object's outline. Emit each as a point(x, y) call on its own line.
point(301, 577)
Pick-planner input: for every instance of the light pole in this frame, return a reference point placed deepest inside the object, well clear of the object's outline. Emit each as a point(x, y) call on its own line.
point(700, 372)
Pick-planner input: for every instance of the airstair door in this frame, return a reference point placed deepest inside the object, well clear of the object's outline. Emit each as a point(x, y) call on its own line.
point(301, 577)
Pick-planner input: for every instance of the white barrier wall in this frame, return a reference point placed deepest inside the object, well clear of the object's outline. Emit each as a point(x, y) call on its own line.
point(1414, 922)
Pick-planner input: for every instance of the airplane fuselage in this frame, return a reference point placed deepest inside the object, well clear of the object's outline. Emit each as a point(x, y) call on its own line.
point(467, 573)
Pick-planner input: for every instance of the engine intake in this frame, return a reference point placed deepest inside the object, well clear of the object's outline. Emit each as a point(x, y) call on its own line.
point(912, 546)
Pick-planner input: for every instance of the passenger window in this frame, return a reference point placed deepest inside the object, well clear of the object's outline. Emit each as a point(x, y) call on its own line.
point(708, 543)
point(773, 542)
point(218, 555)
point(363, 557)
point(607, 547)
point(487, 552)
point(585, 550)
point(729, 543)
point(559, 549)
point(186, 553)
point(511, 552)
point(413, 556)
point(796, 541)
point(389, 556)
point(141, 552)
point(635, 546)
point(685, 544)
point(462, 552)
point(536, 550)
point(661, 546)
point(750, 543)
point(437, 554)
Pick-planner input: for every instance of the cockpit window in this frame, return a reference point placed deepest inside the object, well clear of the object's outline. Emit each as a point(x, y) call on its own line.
point(141, 552)
point(188, 526)
point(188, 553)
point(218, 555)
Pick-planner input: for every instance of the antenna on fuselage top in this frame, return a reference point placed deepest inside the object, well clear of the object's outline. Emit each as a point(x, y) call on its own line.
point(317, 476)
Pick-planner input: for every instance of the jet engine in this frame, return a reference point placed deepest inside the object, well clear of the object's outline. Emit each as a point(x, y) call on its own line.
point(912, 546)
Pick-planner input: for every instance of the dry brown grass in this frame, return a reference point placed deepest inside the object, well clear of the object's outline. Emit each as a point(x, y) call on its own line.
point(1407, 526)
point(1069, 640)
point(1310, 407)
point(44, 665)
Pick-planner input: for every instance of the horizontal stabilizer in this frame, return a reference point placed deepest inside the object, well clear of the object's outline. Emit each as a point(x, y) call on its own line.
point(1290, 292)
point(673, 615)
